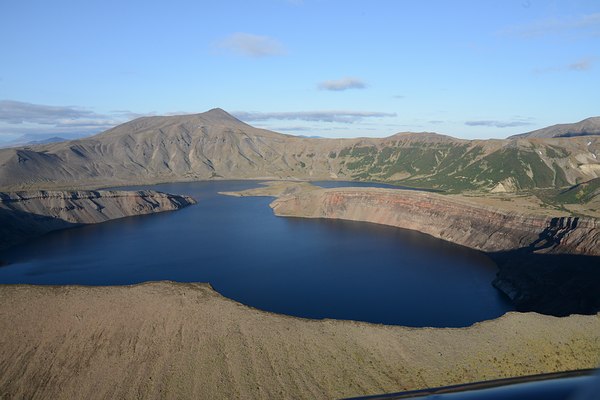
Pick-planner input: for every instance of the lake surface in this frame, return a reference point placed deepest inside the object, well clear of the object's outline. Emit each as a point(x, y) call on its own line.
point(302, 267)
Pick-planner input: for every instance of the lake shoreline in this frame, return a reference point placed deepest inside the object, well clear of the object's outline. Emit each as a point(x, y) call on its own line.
point(545, 264)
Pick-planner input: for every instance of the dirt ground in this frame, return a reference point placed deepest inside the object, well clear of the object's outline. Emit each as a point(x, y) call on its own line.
point(175, 340)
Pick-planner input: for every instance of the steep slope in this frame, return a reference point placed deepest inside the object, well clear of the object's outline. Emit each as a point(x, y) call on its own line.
point(496, 165)
point(215, 145)
point(155, 149)
point(24, 215)
point(589, 126)
point(582, 193)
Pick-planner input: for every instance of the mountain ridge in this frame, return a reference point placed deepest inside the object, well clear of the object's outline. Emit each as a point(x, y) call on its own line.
point(216, 145)
point(586, 127)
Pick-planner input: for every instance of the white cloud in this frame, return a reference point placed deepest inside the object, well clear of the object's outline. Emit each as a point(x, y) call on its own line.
point(322, 116)
point(498, 124)
point(22, 118)
point(584, 64)
point(342, 84)
point(250, 45)
point(581, 65)
point(587, 23)
point(16, 112)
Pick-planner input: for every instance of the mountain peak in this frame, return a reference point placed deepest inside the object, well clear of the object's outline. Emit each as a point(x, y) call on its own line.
point(220, 116)
point(219, 113)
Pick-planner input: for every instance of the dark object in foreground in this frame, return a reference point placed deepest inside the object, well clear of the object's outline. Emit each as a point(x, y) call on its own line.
point(552, 386)
point(553, 284)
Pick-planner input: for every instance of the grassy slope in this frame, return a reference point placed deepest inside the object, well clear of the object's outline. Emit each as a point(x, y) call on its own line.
point(457, 166)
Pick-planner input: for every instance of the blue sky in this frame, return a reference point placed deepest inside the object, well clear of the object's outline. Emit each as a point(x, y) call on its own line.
point(471, 69)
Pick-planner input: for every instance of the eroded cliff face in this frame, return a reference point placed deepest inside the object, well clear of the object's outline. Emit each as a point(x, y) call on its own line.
point(548, 265)
point(475, 226)
point(24, 215)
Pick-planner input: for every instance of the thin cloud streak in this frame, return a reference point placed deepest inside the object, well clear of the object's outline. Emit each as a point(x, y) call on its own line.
point(582, 65)
point(497, 124)
point(16, 112)
point(250, 45)
point(588, 23)
point(22, 118)
point(321, 116)
point(342, 84)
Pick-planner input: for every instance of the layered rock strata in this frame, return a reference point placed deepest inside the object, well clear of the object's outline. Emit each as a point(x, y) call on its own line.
point(24, 215)
point(549, 265)
point(457, 221)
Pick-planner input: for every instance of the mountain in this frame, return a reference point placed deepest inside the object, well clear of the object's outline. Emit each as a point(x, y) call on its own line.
point(215, 145)
point(53, 139)
point(589, 126)
point(35, 139)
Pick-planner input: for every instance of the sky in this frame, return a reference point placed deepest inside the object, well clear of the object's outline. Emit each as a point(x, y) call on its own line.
point(469, 69)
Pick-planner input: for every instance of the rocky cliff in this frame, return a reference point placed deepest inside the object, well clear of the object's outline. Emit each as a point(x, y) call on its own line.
point(458, 221)
point(546, 264)
point(24, 215)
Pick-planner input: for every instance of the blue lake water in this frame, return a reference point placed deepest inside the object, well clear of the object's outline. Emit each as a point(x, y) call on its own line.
point(303, 267)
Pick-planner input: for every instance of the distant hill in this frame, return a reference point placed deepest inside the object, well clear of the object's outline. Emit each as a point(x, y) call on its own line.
point(54, 139)
point(32, 140)
point(216, 145)
point(589, 126)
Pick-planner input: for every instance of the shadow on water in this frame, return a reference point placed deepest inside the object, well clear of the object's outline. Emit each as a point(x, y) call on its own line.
point(19, 226)
point(554, 284)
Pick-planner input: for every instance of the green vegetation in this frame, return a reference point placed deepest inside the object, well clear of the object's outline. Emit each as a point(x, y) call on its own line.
point(581, 193)
point(556, 152)
point(560, 179)
point(455, 166)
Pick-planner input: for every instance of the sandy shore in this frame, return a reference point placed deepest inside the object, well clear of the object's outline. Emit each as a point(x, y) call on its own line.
point(173, 340)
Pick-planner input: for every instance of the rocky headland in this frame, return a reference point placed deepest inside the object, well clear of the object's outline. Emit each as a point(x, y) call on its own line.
point(25, 215)
point(182, 341)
